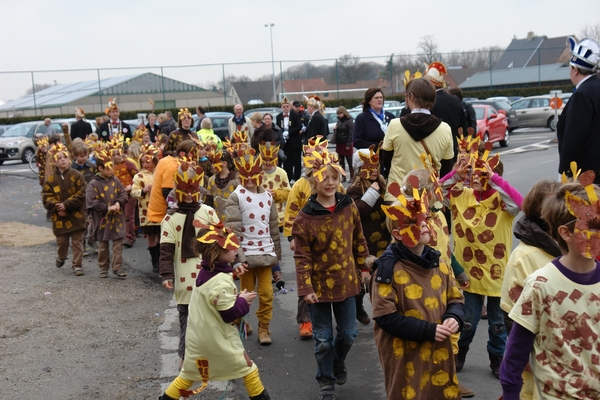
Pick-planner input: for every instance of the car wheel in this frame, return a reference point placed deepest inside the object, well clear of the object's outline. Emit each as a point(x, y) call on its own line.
point(27, 154)
point(552, 123)
point(506, 141)
point(486, 137)
point(1, 162)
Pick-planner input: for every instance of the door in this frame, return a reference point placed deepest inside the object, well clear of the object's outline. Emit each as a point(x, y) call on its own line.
point(523, 112)
point(540, 111)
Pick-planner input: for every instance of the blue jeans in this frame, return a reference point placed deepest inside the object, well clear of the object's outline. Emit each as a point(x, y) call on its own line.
point(496, 330)
point(330, 351)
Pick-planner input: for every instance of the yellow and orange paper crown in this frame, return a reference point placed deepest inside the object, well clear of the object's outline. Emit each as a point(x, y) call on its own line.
point(410, 212)
point(188, 179)
point(112, 105)
point(148, 152)
point(115, 144)
point(219, 234)
point(239, 141)
point(247, 163)
point(42, 142)
point(319, 161)
point(138, 134)
point(183, 112)
point(269, 151)
point(105, 157)
point(427, 162)
point(58, 148)
point(317, 143)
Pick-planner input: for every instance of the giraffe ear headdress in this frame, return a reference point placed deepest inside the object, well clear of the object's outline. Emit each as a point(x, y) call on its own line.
point(370, 162)
point(409, 212)
point(188, 179)
point(148, 152)
point(57, 149)
point(219, 234)
point(269, 151)
point(319, 161)
point(248, 165)
point(427, 161)
point(408, 77)
point(479, 168)
point(105, 157)
point(115, 144)
point(587, 224)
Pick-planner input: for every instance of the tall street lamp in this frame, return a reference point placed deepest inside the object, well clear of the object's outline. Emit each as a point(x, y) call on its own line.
point(270, 26)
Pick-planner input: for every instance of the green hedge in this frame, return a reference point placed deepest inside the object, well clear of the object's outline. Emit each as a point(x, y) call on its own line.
point(348, 103)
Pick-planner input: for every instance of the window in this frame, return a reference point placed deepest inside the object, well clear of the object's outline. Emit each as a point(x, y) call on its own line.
point(536, 103)
point(521, 104)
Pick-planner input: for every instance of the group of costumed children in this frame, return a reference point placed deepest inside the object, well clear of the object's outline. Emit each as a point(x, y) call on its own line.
point(420, 312)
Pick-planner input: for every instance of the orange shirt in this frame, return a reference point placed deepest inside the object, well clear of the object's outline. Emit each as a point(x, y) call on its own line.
point(163, 178)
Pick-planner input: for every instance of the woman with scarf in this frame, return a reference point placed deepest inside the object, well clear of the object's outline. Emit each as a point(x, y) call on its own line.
point(371, 125)
point(178, 253)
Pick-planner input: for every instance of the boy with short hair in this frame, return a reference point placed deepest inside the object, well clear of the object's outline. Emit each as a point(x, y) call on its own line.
point(556, 317)
point(124, 171)
point(105, 199)
point(64, 196)
point(417, 305)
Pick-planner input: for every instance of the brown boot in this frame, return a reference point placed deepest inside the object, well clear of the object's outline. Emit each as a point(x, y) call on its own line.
point(264, 336)
point(278, 279)
point(465, 392)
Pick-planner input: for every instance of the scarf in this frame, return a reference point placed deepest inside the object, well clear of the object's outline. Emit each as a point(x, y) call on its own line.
point(380, 117)
point(188, 236)
point(397, 252)
point(206, 274)
point(239, 121)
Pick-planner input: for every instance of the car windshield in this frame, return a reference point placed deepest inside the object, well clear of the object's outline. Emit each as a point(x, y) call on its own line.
point(479, 112)
point(19, 130)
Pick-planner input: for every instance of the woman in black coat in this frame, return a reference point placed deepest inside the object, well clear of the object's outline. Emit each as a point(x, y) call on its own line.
point(343, 140)
point(370, 125)
point(152, 127)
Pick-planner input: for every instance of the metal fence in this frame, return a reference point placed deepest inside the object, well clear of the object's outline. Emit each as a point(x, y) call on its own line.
point(339, 78)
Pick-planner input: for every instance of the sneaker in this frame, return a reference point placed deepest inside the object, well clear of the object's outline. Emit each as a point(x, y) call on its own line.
point(120, 273)
point(340, 373)
point(78, 271)
point(103, 274)
point(306, 330)
point(127, 244)
point(59, 263)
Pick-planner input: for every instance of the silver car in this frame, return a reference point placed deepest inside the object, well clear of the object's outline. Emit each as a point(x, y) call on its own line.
point(535, 111)
point(18, 142)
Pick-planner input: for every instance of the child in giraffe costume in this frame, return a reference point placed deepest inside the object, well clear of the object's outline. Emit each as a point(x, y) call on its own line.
point(214, 349)
point(482, 217)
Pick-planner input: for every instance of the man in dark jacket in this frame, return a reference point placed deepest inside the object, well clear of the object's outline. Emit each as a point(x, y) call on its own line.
point(168, 126)
point(114, 125)
point(317, 125)
point(468, 110)
point(290, 123)
point(578, 127)
point(80, 128)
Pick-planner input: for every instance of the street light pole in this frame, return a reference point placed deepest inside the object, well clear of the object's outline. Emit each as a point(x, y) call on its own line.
point(270, 26)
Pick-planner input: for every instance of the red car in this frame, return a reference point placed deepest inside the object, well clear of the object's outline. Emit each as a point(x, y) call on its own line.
point(492, 125)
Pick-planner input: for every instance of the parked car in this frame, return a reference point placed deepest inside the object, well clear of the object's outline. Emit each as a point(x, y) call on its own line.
point(511, 113)
point(4, 128)
point(71, 121)
point(492, 125)
point(330, 115)
point(535, 111)
point(18, 142)
point(219, 121)
point(396, 110)
point(274, 111)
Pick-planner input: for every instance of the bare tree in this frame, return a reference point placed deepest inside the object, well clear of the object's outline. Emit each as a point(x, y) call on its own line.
point(38, 87)
point(475, 58)
point(591, 31)
point(428, 50)
point(351, 69)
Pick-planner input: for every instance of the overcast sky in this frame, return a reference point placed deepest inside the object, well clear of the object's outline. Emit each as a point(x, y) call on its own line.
point(68, 34)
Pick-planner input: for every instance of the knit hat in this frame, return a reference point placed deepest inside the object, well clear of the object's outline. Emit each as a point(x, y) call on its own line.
point(585, 54)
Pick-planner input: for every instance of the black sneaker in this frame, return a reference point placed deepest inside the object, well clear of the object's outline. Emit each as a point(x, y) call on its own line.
point(341, 374)
point(59, 263)
point(461, 357)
